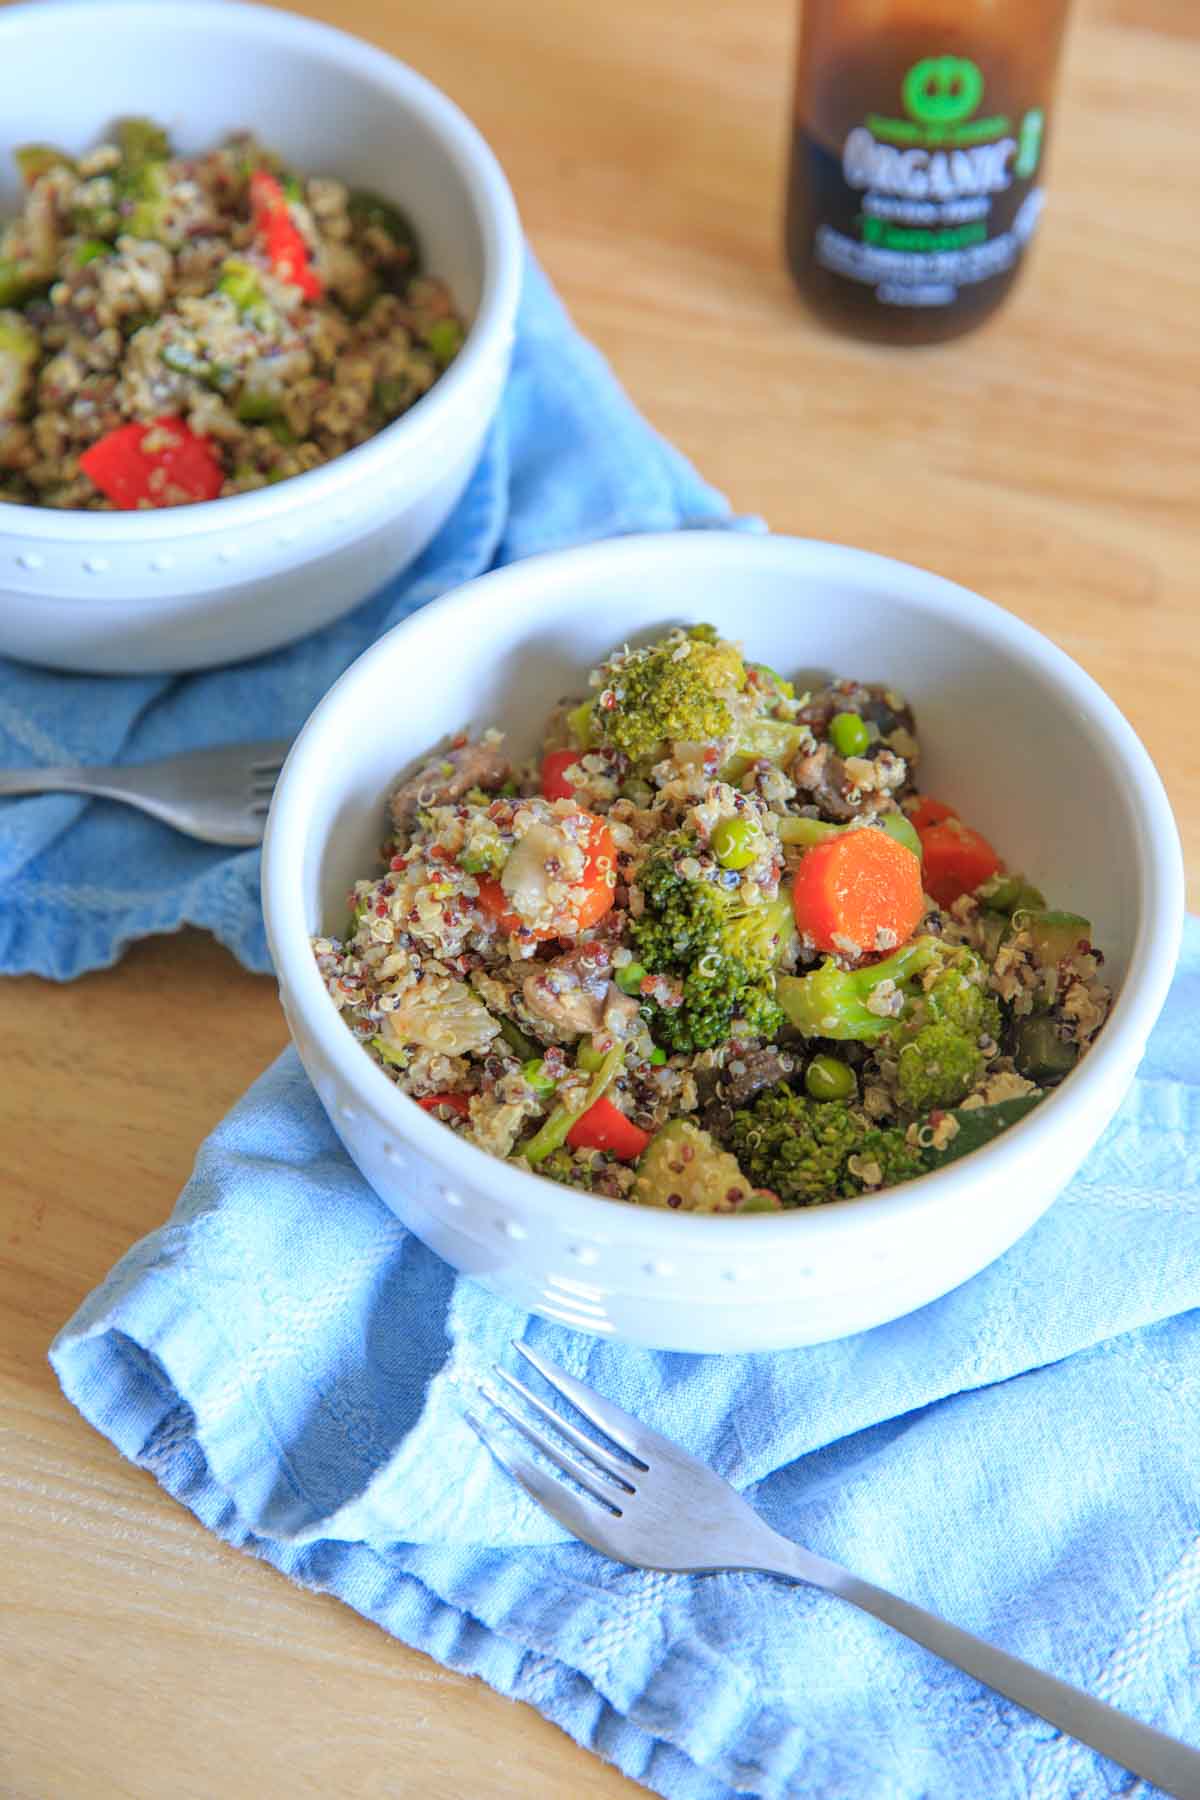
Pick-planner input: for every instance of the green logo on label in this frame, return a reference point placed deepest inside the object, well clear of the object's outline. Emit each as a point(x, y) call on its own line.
point(942, 90)
point(940, 94)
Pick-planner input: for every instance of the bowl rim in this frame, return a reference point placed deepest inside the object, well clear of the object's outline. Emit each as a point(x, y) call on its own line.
point(1161, 904)
point(490, 332)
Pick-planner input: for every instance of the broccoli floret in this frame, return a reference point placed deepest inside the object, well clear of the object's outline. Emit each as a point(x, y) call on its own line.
point(675, 691)
point(898, 1160)
point(927, 1005)
point(723, 951)
point(851, 1004)
point(937, 1042)
point(937, 1065)
point(571, 1170)
point(683, 1168)
point(797, 1148)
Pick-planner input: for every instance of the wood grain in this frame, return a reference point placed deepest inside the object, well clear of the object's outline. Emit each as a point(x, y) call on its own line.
point(1050, 461)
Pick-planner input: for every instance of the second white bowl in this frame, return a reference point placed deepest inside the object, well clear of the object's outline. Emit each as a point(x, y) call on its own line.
point(191, 586)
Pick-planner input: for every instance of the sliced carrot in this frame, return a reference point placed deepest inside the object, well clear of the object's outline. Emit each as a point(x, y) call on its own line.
point(555, 785)
point(929, 811)
point(957, 859)
point(858, 892)
point(590, 897)
point(605, 1127)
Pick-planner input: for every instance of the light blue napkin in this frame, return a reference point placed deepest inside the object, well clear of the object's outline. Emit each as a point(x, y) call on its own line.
point(569, 460)
point(1020, 1456)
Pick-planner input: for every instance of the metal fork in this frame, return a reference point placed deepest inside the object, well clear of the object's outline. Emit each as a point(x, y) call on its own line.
point(656, 1507)
point(220, 796)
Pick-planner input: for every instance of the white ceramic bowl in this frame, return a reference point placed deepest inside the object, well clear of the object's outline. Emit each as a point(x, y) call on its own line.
point(1014, 732)
point(196, 585)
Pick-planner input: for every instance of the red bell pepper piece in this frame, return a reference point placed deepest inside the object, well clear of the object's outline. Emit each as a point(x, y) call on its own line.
point(555, 785)
point(929, 811)
point(279, 238)
point(176, 468)
point(458, 1103)
point(605, 1127)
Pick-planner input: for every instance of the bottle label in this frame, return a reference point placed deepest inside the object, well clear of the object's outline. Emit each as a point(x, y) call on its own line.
point(921, 206)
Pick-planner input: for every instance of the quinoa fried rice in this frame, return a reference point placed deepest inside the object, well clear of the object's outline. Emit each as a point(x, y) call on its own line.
point(617, 966)
point(280, 319)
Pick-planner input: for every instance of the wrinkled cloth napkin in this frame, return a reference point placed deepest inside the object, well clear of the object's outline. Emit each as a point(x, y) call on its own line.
point(1021, 1456)
point(568, 460)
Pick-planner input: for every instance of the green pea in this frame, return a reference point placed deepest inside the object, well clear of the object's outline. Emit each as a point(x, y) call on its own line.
point(827, 1078)
point(535, 1074)
point(630, 978)
point(850, 736)
point(736, 843)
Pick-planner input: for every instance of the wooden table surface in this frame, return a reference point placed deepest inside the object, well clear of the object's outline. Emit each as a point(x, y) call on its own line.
point(1050, 462)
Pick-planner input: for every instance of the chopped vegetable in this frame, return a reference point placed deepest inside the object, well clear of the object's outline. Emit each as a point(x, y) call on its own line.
point(928, 811)
point(1040, 1051)
point(142, 141)
point(555, 785)
point(849, 734)
point(1053, 936)
point(36, 160)
point(684, 1169)
point(828, 1078)
point(1007, 893)
point(736, 843)
point(516, 1039)
point(858, 893)
point(591, 895)
point(630, 978)
point(677, 690)
point(605, 1127)
point(370, 209)
point(18, 360)
point(20, 281)
point(445, 338)
point(241, 282)
point(552, 1134)
point(163, 464)
point(455, 1103)
point(279, 238)
point(957, 860)
point(535, 1074)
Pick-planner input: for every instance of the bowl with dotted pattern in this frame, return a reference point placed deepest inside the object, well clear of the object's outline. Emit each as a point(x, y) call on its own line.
point(187, 587)
point(1011, 729)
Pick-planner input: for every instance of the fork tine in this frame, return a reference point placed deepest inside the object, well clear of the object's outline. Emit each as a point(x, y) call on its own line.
point(616, 1424)
point(614, 1465)
point(588, 1477)
point(573, 1514)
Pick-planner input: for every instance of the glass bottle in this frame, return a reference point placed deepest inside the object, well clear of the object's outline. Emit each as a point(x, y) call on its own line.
point(920, 135)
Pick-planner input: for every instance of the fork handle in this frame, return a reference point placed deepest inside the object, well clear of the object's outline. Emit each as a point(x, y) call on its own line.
point(54, 781)
point(1153, 1755)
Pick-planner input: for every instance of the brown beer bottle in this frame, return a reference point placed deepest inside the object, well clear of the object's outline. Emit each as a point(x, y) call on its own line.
point(920, 133)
